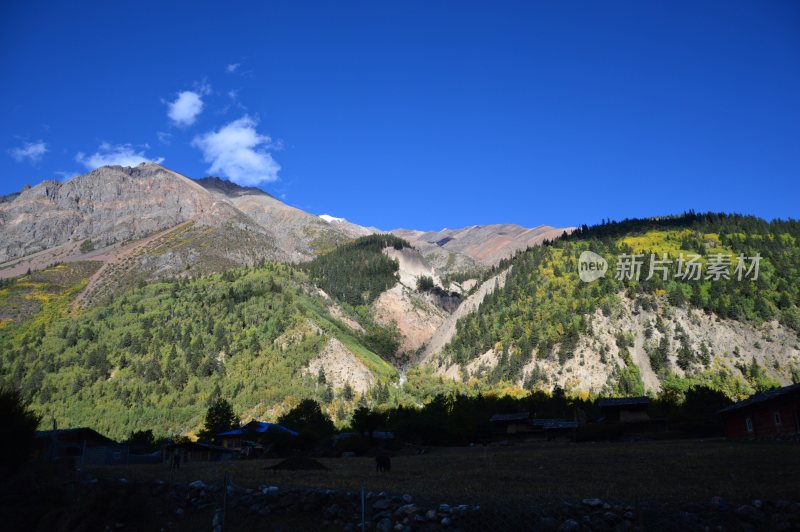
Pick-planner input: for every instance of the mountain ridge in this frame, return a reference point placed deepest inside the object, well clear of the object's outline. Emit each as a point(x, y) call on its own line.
point(147, 286)
point(102, 214)
point(485, 244)
point(388, 330)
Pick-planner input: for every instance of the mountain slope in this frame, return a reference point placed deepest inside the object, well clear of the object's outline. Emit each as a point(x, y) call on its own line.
point(486, 244)
point(417, 314)
point(116, 204)
point(151, 357)
point(137, 308)
point(148, 223)
point(542, 326)
point(447, 330)
point(111, 207)
point(377, 276)
point(300, 234)
point(107, 205)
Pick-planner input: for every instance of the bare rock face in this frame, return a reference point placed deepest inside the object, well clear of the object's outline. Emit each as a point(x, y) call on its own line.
point(117, 205)
point(148, 222)
point(411, 266)
point(341, 367)
point(415, 315)
point(300, 234)
point(110, 204)
point(485, 244)
point(730, 346)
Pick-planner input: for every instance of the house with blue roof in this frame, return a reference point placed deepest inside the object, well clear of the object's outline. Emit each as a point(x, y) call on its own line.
point(253, 438)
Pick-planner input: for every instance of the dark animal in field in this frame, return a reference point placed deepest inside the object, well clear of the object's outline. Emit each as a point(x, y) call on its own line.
point(383, 463)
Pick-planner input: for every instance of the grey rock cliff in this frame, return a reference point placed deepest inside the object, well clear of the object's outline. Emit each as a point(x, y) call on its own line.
point(107, 205)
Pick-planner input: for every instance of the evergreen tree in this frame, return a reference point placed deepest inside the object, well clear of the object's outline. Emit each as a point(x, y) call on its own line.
point(219, 418)
point(307, 417)
point(19, 429)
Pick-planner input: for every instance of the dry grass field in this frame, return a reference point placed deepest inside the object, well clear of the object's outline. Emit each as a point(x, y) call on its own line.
point(668, 471)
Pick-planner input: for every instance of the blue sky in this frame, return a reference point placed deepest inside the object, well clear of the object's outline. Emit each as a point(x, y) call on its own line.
point(422, 114)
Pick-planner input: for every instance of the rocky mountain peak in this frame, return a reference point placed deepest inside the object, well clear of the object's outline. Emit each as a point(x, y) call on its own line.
point(228, 188)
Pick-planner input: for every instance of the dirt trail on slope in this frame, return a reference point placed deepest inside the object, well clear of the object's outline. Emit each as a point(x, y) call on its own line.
point(446, 332)
point(115, 258)
point(68, 252)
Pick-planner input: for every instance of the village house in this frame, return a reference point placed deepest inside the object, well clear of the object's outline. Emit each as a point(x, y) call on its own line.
point(249, 439)
point(195, 451)
point(769, 414)
point(79, 446)
point(524, 423)
point(624, 409)
point(515, 423)
point(380, 435)
point(555, 428)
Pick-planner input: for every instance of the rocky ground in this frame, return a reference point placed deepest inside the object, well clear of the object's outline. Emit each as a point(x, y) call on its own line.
point(121, 504)
point(661, 485)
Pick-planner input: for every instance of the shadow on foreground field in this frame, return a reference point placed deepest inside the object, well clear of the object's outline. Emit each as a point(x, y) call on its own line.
point(664, 471)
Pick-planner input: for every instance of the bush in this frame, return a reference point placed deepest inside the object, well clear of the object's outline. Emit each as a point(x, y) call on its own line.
point(87, 246)
point(142, 441)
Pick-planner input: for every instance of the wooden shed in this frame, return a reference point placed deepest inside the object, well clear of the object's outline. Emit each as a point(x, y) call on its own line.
point(769, 414)
point(514, 423)
point(624, 409)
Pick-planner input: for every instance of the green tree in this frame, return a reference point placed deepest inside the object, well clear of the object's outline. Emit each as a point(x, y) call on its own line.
point(366, 421)
point(19, 429)
point(307, 418)
point(357, 272)
point(347, 392)
point(384, 340)
point(219, 418)
point(87, 246)
point(141, 440)
point(424, 283)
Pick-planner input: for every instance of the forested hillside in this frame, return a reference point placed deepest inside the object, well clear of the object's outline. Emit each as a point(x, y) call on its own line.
point(357, 272)
point(544, 308)
point(152, 357)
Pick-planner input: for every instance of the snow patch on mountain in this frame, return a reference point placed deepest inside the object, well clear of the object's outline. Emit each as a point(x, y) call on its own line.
point(332, 219)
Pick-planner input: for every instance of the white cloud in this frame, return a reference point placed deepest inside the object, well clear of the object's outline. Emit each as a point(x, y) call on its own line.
point(119, 155)
point(237, 151)
point(30, 151)
point(233, 67)
point(163, 137)
point(186, 107)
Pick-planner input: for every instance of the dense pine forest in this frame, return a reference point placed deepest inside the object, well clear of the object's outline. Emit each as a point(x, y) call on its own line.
point(357, 272)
